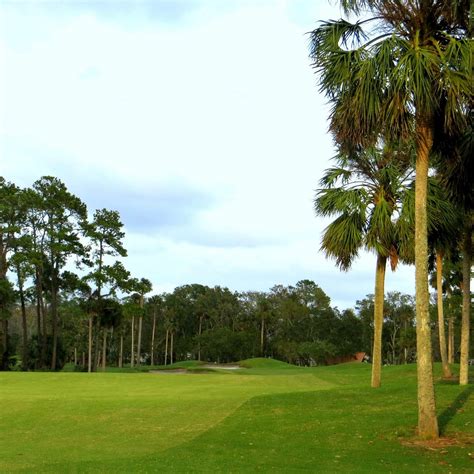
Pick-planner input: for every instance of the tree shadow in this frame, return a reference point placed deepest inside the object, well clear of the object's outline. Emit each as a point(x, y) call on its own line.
point(448, 413)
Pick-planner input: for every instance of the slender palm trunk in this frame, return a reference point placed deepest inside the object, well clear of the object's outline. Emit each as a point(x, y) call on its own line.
point(54, 318)
point(378, 320)
point(171, 348)
point(262, 333)
point(466, 305)
point(120, 361)
point(89, 355)
point(152, 361)
point(199, 340)
point(427, 421)
point(451, 340)
point(104, 350)
point(38, 329)
point(139, 343)
point(132, 356)
point(442, 336)
point(166, 348)
point(24, 361)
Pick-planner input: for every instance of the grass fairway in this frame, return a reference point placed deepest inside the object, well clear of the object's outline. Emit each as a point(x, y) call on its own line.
point(269, 417)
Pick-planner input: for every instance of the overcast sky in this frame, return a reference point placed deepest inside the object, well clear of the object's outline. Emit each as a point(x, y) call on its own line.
point(199, 121)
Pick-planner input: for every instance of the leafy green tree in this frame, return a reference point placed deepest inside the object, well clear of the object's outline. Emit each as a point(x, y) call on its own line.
point(10, 226)
point(395, 80)
point(63, 214)
point(155, 306)
point(141, 288)
point(106, 236)
point(7, 300)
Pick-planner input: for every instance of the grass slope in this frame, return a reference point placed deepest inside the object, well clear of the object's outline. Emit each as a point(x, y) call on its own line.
point(259, 419)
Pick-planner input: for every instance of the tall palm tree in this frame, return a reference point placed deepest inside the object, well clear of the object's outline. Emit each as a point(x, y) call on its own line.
point(365, 192)
point(457, 175)
point(393, 75)
point(442, 240)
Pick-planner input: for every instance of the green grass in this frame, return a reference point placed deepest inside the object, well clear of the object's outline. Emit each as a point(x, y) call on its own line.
point(270, 417)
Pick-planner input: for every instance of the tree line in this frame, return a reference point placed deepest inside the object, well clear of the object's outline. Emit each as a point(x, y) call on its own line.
point(67, 297)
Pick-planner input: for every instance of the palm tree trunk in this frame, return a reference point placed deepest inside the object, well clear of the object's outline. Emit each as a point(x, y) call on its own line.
point(442, 336)
point(427, 421)
point(104, 350)
point(152, 361)
point(24, 362)
point(451, 340)
point(132, 357)
point(199, 340)
point(466, 305)
point(89, 355)
point(120, 361)
point(139, 343)
point(171, 348)
point(54, 318)
point(166, 348)
point(262, 332)
point(378, 320)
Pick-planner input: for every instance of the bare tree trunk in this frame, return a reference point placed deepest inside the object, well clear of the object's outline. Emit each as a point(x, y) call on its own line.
point(139, 343)
point(120, 361)
point(96, 356)
point(152, 361)
point(199, 343)
point(171, 348)
point(166, 348)
point(75, 356)
point(132, 357)
point(466, 304)
point(83, 359)
point(427, 421)
point(89, 355)
point(378, 320)
point(44, 342)
point(5, 355)
point(442, 336)
point(104, 350)
point(451, 341)
point(262, 332)
point(24, 362)
point(54, 318)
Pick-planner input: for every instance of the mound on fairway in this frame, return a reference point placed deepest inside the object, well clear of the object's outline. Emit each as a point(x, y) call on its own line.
point(265, 363)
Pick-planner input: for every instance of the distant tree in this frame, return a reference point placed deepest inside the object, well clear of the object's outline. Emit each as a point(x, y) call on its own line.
point(63, 214)
point(155, 305)
point(10, 225)
point(106, 235)
point(141, 288)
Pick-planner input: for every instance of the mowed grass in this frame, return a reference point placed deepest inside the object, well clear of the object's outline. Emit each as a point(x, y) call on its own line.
point(271, 417)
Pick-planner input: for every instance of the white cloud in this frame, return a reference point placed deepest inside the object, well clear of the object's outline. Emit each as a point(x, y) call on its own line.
point(217, 102)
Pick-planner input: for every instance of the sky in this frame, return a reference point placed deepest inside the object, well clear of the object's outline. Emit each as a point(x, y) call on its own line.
point(200, 121)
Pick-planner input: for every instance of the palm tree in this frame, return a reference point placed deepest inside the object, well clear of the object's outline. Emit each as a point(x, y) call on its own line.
point(394, 75)
point(442, 240)
point(457, 175)
point(365, 192)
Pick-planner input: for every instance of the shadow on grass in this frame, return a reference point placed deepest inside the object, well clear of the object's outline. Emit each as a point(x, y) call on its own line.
point(448, 413)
